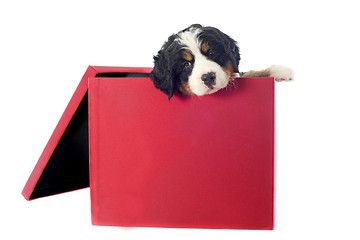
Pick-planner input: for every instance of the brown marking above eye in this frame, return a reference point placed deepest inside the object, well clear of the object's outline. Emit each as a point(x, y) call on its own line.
point(205, 47)
point(187, 56)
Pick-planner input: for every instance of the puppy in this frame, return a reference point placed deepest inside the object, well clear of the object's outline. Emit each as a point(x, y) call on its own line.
point(202, 60)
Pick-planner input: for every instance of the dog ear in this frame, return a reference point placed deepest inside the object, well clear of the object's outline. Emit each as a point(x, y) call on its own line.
point(235, 55)
point(234, 52)
point(162, 74)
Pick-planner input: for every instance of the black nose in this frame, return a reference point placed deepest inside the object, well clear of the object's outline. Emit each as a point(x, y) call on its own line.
point(209, 79)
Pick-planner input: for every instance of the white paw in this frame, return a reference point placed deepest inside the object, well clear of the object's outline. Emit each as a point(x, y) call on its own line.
point(281, 73)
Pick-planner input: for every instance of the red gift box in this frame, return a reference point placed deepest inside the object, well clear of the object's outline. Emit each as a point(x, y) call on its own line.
point(193, 162)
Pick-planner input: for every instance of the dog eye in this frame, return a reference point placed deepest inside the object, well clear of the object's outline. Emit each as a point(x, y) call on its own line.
point(187, 64)
point(211, 52)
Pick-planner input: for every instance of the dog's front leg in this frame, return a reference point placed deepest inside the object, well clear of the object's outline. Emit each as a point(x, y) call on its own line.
point(279, 72)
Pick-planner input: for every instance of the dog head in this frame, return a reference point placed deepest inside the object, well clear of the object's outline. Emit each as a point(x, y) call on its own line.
point(196, 61)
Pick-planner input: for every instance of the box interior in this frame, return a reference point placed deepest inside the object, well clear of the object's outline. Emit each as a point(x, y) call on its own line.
point(122, 75)
point(68, 166)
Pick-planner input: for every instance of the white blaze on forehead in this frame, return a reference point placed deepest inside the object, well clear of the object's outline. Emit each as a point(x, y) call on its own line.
point(202, 65)
point(189, 39)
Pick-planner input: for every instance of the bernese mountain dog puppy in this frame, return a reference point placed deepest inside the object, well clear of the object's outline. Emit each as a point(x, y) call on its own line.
point(202, 60)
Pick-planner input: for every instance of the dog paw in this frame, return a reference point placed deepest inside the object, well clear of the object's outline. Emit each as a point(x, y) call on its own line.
point(281, 73)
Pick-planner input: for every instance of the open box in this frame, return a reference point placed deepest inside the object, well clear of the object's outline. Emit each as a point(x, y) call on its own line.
point(192, 162)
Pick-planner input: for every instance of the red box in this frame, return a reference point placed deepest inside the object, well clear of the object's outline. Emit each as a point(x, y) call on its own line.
point(193, 162)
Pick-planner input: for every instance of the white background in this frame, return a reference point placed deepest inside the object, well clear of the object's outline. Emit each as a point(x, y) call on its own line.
point(46, 47)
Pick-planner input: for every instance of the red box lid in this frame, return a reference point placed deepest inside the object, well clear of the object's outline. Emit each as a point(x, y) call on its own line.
point(193, 162)
point(64, 163)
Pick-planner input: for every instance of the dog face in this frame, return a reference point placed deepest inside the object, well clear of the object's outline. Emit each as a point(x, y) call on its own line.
point(196, 61)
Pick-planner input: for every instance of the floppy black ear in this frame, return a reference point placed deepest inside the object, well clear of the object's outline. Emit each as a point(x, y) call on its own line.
point(235, 54)
point(233, 51)
point(162, 74)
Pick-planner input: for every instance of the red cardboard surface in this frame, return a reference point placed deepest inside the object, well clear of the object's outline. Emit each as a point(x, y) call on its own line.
point(193, 162)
